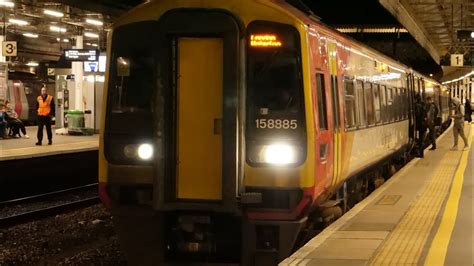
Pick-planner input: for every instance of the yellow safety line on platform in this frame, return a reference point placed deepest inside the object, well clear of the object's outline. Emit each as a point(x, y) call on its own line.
point(405, 244)
point(439, 246)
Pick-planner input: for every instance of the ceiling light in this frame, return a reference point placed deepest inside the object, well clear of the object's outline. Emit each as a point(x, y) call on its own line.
point(65, 40)
point(472, 34)
point(30, 35)
point(94, 22)
point(53, 13)
point(6, 3)
point(32, 64)
point(18, 22)
point(91, 35)
point(57, 29)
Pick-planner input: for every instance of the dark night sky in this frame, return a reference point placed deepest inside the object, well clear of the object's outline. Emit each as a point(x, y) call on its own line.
point(356, 12)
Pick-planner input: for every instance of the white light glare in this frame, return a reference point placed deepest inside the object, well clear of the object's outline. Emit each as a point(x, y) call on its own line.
point(91, 35)
point(145, 151)
point(6, 3)
point(53, 13)
point(18, 22)
point(472, 34)
point(30, 35)
point(279, 154)
point(94, 22)
point(32, 64)
point(57, 29)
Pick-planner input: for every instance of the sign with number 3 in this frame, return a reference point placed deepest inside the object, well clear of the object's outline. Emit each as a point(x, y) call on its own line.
point(9, 48)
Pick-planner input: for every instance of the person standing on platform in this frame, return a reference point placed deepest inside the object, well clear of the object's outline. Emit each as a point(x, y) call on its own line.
point(468, 110)
point(431, 114)
point(420, 120)
point(458, 127)
point(45, 107)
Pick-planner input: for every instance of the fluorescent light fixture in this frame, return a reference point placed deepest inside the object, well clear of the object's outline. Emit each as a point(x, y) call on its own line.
point(57, 29)
point(65, 40)
point(32, 64)
point(6, 3)
point(94, 22)
point(30, 35)
point(472, 34)
point(53, 13)
point(91, 35)
point(18, 22)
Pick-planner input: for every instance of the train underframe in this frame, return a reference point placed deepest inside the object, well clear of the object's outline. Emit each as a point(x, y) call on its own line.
point(172, 237)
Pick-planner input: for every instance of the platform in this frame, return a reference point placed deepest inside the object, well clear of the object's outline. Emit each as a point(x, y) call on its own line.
point(21, 148)
point(422, 215)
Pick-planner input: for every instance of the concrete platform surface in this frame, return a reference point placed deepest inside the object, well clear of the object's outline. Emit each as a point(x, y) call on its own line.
point(422, 215)
point(22, 148)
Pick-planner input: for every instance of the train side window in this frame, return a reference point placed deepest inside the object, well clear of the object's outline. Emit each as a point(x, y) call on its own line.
point(383, 103)
point(396, 104)
point(322, 114)
point(376, 90)
point(362, 122)
point(390, 108)
point(349, 103)
point(369, 103)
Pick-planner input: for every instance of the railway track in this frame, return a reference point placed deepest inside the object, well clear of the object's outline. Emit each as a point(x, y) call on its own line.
point(22, 210)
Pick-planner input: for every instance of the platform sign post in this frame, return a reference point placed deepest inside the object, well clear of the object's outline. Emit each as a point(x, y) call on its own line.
point(9, 48)
point(3, 81)
point(457, 60)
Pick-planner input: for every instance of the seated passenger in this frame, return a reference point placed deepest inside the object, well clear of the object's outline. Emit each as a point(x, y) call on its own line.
point(3, 122)
point(14, 122)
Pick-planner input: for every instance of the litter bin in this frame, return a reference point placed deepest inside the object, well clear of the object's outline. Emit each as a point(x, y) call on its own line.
point(75, 122)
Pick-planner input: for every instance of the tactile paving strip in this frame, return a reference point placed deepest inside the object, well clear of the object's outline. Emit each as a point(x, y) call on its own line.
point(405, 244)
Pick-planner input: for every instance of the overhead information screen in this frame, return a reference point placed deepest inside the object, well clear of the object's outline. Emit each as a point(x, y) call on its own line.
point(81, 54)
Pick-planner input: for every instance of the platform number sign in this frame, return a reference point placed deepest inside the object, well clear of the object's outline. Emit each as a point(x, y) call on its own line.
point(457, 60)
point(9, 48)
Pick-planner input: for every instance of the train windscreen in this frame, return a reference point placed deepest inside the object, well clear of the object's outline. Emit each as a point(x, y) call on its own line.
point(275, 100)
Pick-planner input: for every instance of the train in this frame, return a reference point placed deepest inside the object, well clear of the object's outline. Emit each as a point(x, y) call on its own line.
point(234, 130)
point(22, 90)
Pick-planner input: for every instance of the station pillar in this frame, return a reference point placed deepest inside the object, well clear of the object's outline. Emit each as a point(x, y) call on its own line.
point(78, 72)
point(3, 73)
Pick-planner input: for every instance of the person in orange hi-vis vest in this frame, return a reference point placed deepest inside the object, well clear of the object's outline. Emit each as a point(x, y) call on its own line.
point(45, 107)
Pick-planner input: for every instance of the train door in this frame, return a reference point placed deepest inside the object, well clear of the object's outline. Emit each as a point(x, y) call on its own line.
point(196, 111)
point(334, 92)
point(199, 112)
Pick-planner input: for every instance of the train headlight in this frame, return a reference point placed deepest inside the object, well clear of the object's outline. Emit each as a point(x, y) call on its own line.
point(145, 151)
point(279, 154)
point(141, 151)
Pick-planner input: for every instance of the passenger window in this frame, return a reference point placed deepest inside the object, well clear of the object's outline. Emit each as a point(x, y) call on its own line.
point(376, 89)
point(349, 103)
point(390, 109)
point(383, 103)
point(322, 114)
point(361, 104)
point(369, 103)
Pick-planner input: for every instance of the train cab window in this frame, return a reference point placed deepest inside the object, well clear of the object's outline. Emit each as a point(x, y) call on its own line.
point(376, 90)
point(349, 103)
point(322, 103)
point(369, 103)
point(390, 108)
point(383, 103)
point(132, 79)
point(362, 122)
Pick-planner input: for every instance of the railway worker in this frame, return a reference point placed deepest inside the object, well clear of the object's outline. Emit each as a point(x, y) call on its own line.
point(45, 107)
point(431, 115)
point(458, 127)
point(420, 120)
point(468, 110)
point(12, 119)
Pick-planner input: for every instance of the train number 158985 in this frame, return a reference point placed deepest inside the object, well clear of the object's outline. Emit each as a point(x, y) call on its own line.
point(276, 123)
